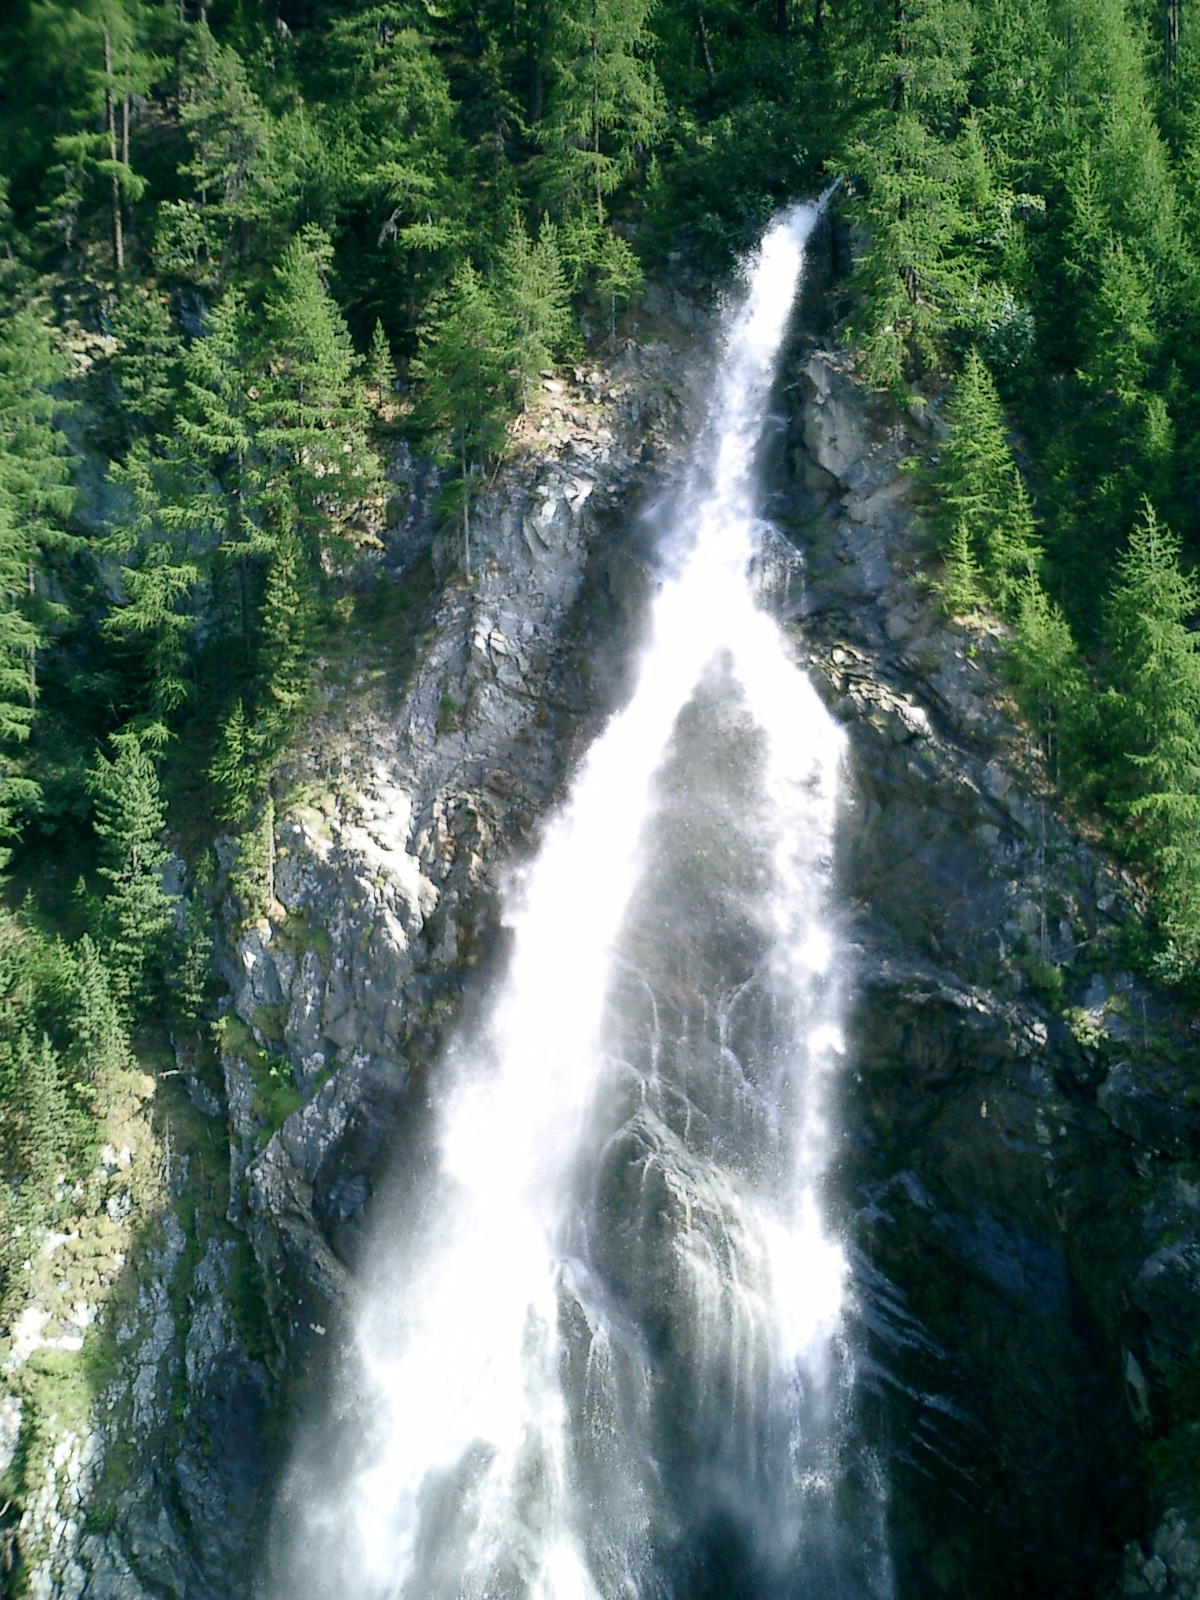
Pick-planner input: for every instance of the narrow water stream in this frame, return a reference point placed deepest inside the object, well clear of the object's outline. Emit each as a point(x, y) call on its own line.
point(602, 1353)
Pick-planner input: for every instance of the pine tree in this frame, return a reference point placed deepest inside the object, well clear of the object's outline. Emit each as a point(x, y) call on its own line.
point(105, 46)
point(532, 293)
point(99, 1033)
point(215, 440)
point(19, 640)
point(35, 500)
point(381, 369)
point(605, 104)
point(156, 582)
point(137, 914)
point(1154, 691)
point(252, 878)
point(394, 113)
point(49, 1120)
point(147, 363)
point(213, 427)
point(311, 414)
point(194, 975)
point(284, 649)
point(465, 397)
point(910, 169)
point(1053, 683)
point(236, 768)
point(230, 141)
point(980, 490)
point(618, 275)
point(962, 580)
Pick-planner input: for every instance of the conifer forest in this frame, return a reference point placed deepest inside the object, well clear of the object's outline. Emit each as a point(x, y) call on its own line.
point(252, 249)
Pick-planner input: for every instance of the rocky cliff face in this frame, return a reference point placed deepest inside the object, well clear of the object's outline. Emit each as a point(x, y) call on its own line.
point(1020, 1117)
point(442, 736)
point(1018, 1173)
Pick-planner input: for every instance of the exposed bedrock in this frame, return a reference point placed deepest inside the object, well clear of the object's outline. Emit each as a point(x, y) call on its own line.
point(1017, 1174)
point(1019, 1128)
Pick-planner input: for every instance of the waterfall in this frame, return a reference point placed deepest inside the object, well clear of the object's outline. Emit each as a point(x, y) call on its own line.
point(600, 1353)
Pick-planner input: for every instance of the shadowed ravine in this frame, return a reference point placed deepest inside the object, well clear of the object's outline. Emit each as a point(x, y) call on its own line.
point(603, 1352)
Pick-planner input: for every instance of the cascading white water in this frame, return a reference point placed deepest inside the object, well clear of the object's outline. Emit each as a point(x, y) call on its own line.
point(594, 1358)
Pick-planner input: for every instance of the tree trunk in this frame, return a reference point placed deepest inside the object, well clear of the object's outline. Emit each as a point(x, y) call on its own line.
point(466, 514)
point(1170, 36)
point(781, 17)
point(818, 20)
point(270, 855)
point(110, 112)
point(901, 18)
point(32, 648)
point(704, 50)
point(596, 113)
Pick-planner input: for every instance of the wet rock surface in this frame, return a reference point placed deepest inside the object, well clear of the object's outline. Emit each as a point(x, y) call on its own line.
point(1018, 1174)
point(426, 768)
point(1018, 1169)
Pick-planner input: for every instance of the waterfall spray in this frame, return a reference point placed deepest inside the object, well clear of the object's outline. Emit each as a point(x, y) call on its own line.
point(598, 1351)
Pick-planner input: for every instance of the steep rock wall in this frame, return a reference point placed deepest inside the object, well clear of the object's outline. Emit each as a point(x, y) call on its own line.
point(1020, 1122)
point(441, 740)
point(1017, 1172)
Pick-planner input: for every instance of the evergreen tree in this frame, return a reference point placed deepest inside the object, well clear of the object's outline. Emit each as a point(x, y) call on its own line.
point(147, 363)
point(311, 414)
point(618, 275)
point(19, 640)
point(35, 500)
point(381, 369)
point(391, 112)
point(48, 1121)
point(962, 578)
point(137, 914)
point(236, 771)
point(1053, 684)
point(606, 105)
point(534, 299)
point(1154, 691)
point(284, 640)
point(156, 581)
point(980, 490)
point(909, 169)
point(193, 978)
point(105, 46)
point(239, 181)
point(465, 395)
point(100, 1037)
point(215, 444)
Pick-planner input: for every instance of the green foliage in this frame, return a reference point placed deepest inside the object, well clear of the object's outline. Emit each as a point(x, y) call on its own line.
point(1153, 671)
point(284, 640)
point(236, 186)
point(1053, 683)
point(381, 369)
point(104, 47)
point(983, 503)
point(962, 578)
point(534, 300)
point(237, 769)
point(35, 500)
point(463, 361)
point(605, 102)
point(136, 915)
point(63, 1047)
point(252, 877)
point(147, 363)
point(194, 977)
